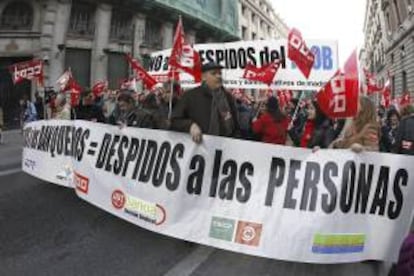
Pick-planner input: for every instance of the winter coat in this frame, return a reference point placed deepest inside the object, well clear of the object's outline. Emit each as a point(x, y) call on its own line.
point(404, 140)
point(195, 107)
point(137, 117)
point(269, 130)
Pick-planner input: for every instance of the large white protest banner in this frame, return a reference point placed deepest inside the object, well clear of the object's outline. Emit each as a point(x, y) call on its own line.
point(280, 202)
point(48, 150)
point(234, 56)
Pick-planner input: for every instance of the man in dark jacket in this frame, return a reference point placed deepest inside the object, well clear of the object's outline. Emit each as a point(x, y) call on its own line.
point(404, 140)
point(127, 114)
point(207, 108)
point(88, 110)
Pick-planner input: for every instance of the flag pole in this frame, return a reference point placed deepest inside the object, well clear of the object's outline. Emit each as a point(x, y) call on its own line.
point(295, 114)
point(171, 94)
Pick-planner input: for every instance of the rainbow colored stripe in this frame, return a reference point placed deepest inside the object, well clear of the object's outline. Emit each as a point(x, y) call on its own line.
point(338, 243)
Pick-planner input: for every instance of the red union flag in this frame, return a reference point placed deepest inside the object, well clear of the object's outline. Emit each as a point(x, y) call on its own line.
point(339, 97)
point(405, 99)
point(371, 83)
point(75, 90)
point(299, 53)
point(178, 45)
point(183, 56)
point(28, 70)
point(264, 74)
point(63, 80)
point(99, 87)
point(146, 78)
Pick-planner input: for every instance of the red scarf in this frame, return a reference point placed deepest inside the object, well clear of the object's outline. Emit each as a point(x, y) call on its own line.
point(307, 133)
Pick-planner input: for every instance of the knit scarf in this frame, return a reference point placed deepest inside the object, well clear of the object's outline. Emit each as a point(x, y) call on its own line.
point(307, 133)
point(221, 119)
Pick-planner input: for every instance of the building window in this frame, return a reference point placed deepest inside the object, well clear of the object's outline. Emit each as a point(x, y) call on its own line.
point(121, 26)
point(153, 33)
point(244, 33)
point(17, 16)
point(82, 18)
point(404, 81)
point(393, 87)
point(243, 10)
point(79, 61)
point(254, 36)
point(253, 18)
point(397, 11)
point(118, 70)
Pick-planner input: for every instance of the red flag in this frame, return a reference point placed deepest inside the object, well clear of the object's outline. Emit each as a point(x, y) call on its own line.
point(264, 74)
point(339, 97)
point(63, 80)
point(371, 83)
point(183, 56)
point(99, 87)
point(284, 96)
point(239, 94)
point(299, 53)
point(178, 44)
point(29, 70)
point(386, 94)
point(75, 90)
point(386, 98)
point(147, 79)
point(405, 99)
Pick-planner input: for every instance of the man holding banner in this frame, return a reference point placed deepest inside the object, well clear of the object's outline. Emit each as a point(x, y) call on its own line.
point(206, 109)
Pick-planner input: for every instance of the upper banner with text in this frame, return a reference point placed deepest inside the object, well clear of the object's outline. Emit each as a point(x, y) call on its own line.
point(234, 56)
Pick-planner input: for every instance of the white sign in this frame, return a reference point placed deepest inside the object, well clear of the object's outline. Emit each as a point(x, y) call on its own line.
point(332, 206)
point(234, 56)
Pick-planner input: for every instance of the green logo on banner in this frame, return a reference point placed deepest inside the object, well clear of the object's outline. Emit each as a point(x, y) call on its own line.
point(222, 228)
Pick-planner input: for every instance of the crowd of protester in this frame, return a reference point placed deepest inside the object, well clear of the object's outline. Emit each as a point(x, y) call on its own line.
point(210, 109)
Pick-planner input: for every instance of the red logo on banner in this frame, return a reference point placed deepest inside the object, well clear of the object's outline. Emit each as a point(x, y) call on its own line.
point(118, 199)
point(339, 98)
point(248, 233)
point(299, 53)
point(81, 183)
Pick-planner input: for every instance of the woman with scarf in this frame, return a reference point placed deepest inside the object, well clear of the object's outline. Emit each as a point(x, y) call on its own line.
point(318, 131)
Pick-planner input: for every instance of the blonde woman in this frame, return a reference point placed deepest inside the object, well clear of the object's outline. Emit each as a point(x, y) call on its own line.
point(362, 133)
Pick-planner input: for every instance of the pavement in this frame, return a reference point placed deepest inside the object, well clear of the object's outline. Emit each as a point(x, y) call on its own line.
point(11, 150)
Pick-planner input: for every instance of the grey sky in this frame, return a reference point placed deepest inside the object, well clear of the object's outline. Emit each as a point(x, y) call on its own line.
point(340, 20)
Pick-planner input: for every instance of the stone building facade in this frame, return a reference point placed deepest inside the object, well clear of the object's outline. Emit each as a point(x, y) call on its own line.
point(258, 20)
point(91, 37)
point(389, 43)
